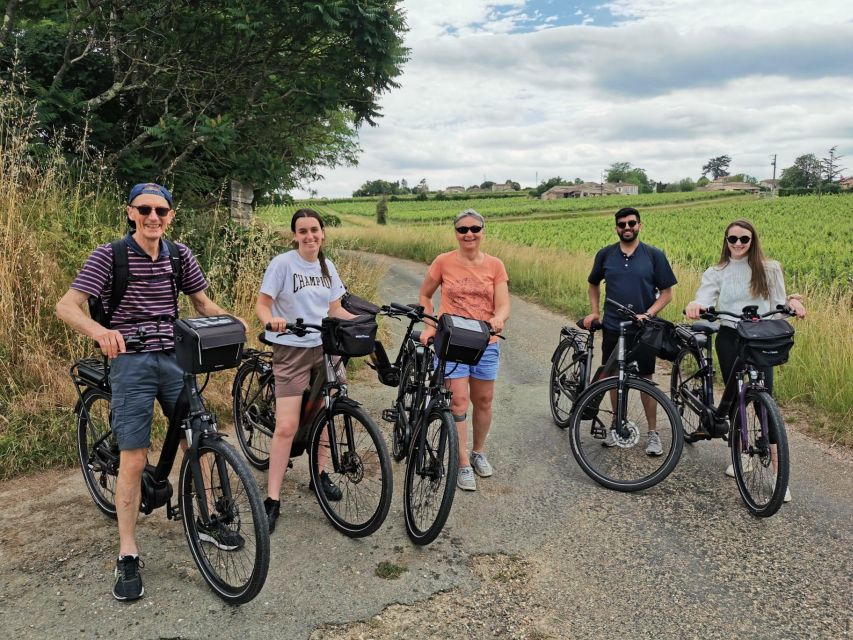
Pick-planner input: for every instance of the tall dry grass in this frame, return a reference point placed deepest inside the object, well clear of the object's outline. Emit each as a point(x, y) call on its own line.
point(818, 374)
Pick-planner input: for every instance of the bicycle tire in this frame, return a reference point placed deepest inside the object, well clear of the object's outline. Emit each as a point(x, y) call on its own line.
point(568, 377)
point(253, 410)
point(624, 467)
point(686, 364)
point(236, 575)
point(424, 518)
point(97, 449)
point(405, 406)
point(363, 474)
point(762, 490)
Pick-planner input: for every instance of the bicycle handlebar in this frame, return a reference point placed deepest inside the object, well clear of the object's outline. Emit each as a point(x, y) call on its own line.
point(137, 341)
point(749, 313)
point(299, 328)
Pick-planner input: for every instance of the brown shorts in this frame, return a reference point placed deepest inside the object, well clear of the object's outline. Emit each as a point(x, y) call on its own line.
point(295, 367)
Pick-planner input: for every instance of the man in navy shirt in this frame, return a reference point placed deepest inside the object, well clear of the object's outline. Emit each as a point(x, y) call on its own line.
point(637, 275)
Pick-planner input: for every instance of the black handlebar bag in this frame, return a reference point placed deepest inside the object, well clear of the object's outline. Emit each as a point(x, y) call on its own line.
point(658, 335)
point(461, 339)
point(209, 343)
point(352, 338)
point(766, 343)
point(358, 306)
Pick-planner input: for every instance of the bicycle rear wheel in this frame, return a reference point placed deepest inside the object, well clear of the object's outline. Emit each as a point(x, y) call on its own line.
point(231, 546)
point(761, 464)
point(430, 483)
point(350, 449)
point(685, 378)
point(97, 449)
point(568, 376)
point(253, 402)
point(618, 456)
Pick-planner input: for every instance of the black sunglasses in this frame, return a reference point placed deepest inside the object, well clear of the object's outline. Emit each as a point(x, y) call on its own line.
point(145, 210)
point(464, 230)
point(629, 223)
point(743, 239)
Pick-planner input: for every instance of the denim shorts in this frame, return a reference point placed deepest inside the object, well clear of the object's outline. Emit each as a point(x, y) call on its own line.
point(485, 369)
point(137, 379)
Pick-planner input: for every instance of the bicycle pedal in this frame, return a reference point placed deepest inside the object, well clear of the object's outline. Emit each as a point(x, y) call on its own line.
point(390, 415)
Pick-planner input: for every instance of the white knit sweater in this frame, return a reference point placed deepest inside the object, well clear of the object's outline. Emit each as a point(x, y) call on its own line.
point(727, 288)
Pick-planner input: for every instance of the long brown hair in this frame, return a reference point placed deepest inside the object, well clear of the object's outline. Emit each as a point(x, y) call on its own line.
point(758, 286)
point(310, 213)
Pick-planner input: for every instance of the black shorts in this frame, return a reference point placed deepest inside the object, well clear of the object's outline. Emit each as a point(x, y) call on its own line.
point(645, 358)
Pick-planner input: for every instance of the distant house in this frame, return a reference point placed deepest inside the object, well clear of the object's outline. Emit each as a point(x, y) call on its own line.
point(475, 190)
point(455, 189)
point(846, 183)
point(772, 185)
point(506, 186)
point(585, 190)
point(727, 184)
point(624, 188)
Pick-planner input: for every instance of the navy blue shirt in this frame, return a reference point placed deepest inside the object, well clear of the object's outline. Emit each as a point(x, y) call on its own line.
point(633, 280)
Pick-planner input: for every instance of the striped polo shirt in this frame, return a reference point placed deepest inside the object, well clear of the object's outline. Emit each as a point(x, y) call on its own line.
point(150, 296)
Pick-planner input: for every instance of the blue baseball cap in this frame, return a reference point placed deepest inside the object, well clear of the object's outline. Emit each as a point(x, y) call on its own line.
point(153, 189)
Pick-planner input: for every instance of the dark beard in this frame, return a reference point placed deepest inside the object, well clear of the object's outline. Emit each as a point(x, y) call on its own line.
point(634, 233)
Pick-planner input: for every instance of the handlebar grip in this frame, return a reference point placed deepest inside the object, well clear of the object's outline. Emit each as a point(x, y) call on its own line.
point(401, 307)
point(268, 326)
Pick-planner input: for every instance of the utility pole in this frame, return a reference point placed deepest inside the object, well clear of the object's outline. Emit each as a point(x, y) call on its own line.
point(773, 189)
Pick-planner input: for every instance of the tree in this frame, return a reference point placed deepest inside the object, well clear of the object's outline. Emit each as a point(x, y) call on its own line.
point(830, 167)
point(701, 182)
point(377, 188)
point(717, 167)
point(686, 184)
point(194, 92)
point(624, 172)
point(487, 185)
point(422, 187)
point(545, 185)
point(516, 186)
point(381, 211)
point(804, 175)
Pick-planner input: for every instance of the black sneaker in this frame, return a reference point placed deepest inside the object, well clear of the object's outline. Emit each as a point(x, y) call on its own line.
point(333, 493)
point(217, 534)
point(272, 508)
point(128, 584)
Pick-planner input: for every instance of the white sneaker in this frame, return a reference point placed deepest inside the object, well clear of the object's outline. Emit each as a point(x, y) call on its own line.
point(745, 463)
point(480, 464)
point(653, 445)
point(465, 479)
point(787, 497)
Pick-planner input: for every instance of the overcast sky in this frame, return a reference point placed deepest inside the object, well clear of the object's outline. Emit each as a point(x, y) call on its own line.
point(516, 90)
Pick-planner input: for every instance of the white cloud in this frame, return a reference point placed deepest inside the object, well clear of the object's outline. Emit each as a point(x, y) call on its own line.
point(490, 93)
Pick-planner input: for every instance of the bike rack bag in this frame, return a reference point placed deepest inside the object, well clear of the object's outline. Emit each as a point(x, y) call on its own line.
point(765, 343)
point(353, 338)
point(461, 339)
point(207, 344)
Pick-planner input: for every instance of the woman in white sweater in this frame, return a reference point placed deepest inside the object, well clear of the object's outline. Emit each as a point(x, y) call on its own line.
point(742, 277)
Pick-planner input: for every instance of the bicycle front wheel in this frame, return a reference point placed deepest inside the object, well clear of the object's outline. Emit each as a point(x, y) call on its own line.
point(231, 543)
point(568, 376)
point(97, 449)
point(253, 400)
point(685, 378)
point(406, 397)
point(760, 453)
point(349, 448)
point(625, 456)
point(430, 483)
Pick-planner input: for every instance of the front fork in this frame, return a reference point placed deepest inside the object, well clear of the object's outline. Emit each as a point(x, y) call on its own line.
point(755, 379)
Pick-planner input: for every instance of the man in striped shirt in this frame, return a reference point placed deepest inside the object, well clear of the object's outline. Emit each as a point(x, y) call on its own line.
point(150, 302)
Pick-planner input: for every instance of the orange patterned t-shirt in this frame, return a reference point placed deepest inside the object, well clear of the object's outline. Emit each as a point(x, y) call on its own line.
point(467, 290)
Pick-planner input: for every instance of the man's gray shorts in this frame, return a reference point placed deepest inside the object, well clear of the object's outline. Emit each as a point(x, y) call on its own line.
point(136, 380)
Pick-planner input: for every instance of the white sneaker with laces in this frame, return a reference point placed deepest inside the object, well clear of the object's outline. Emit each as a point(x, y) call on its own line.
point(480, 464)
point(465, 480)
point(745, 463)
point(653, 445)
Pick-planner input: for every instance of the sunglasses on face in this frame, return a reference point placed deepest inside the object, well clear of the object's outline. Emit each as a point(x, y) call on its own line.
point(743, 239)
point(145, 210)
point(629, 223)
point(464, 230)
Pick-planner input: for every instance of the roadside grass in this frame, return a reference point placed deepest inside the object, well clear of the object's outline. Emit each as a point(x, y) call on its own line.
point(818, 373)
point(389, 570)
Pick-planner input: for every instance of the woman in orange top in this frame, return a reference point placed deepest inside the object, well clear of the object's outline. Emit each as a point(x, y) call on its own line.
point(475, 285)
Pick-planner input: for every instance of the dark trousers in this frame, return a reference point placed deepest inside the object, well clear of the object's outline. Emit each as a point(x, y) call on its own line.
point(727, 355)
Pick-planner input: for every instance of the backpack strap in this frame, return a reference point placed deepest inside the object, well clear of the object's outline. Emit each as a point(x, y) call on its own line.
point(177, 271)
point(121, 276)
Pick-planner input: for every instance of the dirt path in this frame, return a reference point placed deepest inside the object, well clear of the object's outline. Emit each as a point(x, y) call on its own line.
point(539, 551)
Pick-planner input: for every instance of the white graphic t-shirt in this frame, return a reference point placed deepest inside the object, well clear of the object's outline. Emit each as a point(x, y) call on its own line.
point(299, 290)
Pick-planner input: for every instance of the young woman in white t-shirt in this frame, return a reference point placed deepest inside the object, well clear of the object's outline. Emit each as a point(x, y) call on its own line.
point(301, 283)
point(741, 278)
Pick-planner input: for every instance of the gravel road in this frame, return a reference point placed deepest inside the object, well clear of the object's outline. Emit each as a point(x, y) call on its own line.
point(539, 551)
